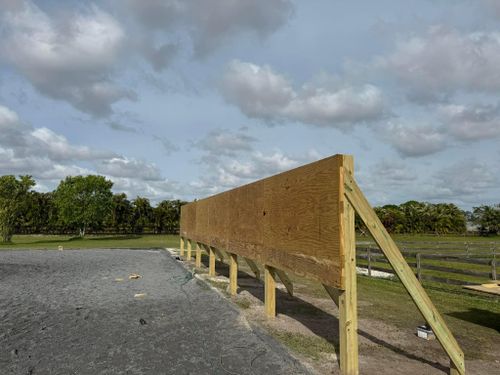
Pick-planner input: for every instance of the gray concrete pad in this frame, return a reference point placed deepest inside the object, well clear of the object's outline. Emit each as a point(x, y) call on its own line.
point(65, 312)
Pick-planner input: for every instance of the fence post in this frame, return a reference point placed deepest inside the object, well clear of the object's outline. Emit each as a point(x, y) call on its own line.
point(369, 253)
point(419, 269)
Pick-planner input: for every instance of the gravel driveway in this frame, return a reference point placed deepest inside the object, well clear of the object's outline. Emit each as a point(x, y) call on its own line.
point(68, 312)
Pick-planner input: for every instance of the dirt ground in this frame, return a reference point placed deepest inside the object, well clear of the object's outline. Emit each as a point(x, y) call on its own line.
point(310, 325)
point(77, 312)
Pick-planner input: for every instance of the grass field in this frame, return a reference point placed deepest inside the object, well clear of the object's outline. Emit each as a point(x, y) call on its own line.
point(48, 242)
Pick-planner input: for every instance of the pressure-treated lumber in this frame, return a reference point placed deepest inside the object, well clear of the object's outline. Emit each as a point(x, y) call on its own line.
point(269, 291)
point(233, 274)
point(211, 261)
point(334, 293)
point(253, 267)
point(182, 247)
point(289, 221)
point(404, 272)
point(347, 300)
point(198, 255)
point(221, 254)
point(285, 280)
point(188, 255)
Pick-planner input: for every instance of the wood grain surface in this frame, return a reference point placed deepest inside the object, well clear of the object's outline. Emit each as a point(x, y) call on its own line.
point(289, 221)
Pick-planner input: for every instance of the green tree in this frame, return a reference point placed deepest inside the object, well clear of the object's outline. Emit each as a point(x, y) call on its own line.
point(40, 214)
point(13, 193)
point(142, 214)
point(84, 202)
point(488, 219)
point(167, 215)
point(121, 212)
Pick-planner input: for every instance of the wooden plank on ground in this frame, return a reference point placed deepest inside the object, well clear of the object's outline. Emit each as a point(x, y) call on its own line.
point(404, 272)
point(484, 289)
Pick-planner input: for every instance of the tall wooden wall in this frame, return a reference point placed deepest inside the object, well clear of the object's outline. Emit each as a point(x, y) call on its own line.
point(290, 221)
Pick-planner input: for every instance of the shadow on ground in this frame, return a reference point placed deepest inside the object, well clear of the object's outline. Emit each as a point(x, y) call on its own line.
point(480, 317)
point(315, 319)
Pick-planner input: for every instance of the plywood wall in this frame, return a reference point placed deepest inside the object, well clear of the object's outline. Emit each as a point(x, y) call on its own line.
point(289, 221)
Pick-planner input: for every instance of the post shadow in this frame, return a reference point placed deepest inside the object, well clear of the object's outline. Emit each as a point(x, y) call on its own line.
point(315, 319)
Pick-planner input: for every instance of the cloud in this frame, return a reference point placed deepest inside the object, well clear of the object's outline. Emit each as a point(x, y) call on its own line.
point(226, 142)
point(240, 163)
point(444, 61)
point(50, 157)
point(210, 23)
point(467, 180)
point(129, 168)
point(66, 58)
point(393, 172)
point(471, 123)
point(25, 141)
point(259, 92)
point(414, 141)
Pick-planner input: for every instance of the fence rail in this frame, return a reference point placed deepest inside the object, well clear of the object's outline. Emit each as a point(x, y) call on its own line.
point(441, 268)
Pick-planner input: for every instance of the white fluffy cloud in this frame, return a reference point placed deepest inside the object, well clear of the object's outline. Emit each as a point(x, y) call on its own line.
point(260, 92)
point(50, 157)
point(413, 141)
point(444, 61)
point(67, 59)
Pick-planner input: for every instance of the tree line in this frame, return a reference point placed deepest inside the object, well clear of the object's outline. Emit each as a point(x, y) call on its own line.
point(80, 205)
point(86, 203)
point(415, 217)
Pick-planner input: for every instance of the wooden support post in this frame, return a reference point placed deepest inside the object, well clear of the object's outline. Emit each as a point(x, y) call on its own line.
point(269, 291)
point(188, 250)
point(348, 304)
point(254, 267)
point(182, 247)
point(405, 273)
point(198, 255)
point(233, 274)
point(285, 280)
point(493, 269)
point(211, 261)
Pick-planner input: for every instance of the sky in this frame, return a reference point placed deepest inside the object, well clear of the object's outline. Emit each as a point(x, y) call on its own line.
point(183, 99)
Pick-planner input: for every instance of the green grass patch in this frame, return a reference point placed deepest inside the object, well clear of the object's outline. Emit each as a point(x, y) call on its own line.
point(473, 319)
point(51, 242)
point(309, 346)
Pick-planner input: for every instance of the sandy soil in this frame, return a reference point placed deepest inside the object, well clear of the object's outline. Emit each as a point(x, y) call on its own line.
point(74, 312)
